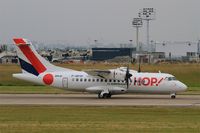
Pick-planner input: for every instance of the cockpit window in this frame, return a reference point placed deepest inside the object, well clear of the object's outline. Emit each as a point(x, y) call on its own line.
point(171, 78)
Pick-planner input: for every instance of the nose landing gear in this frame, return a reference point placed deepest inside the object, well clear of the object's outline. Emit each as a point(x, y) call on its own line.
point(173, 95)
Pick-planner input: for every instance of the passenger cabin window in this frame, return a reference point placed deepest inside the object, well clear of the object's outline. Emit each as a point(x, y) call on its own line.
point(106, 80)
point(81, 80)
point(93, 80)
point(97, 80)
point(110, 80)
point(101, 80)
point(89, 80)
point(77, 79)
point(85, 80)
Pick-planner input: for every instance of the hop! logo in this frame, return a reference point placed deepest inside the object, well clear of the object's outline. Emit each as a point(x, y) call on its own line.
point(146, 81)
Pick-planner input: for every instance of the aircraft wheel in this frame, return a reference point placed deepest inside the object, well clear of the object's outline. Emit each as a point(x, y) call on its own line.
point(105, 95)
point(173, 96)
point(99, 96)
point(109, 95)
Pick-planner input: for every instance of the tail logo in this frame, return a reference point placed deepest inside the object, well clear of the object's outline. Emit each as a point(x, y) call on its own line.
point(35, 65)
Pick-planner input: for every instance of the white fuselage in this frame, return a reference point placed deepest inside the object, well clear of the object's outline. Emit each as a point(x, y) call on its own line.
point(158, 83)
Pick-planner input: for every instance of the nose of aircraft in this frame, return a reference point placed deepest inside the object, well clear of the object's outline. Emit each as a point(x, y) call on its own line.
point(182, 86)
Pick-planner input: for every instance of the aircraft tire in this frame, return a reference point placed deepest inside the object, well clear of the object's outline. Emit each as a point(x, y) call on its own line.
point(109, 95)
point(105, 96)
point(173, 96)
point(99, 96)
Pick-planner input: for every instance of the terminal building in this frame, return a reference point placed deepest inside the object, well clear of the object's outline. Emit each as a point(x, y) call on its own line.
point(100, 54)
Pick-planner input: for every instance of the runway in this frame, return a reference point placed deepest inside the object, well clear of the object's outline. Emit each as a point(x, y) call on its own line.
point(92, 100)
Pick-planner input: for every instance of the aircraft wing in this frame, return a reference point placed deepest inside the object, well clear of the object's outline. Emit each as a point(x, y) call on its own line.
point(100, 73)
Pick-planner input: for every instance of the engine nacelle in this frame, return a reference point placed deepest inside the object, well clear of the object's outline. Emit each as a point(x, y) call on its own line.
point(117, 74)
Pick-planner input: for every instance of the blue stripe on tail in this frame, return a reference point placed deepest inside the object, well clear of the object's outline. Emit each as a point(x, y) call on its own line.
point(28, 67)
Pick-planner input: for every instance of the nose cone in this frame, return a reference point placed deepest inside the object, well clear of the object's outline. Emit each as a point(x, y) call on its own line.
point(182, 86)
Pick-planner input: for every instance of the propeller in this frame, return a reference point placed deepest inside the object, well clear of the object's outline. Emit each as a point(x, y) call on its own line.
point(128, 77)
point(139, 68)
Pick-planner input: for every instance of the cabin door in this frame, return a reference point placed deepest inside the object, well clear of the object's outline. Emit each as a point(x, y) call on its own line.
point(65, 83)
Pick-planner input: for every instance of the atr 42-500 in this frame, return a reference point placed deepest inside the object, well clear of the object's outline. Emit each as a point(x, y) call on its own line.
point(105, 83)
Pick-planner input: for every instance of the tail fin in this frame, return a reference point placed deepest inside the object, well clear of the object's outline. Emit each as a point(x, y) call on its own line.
point(30, 60)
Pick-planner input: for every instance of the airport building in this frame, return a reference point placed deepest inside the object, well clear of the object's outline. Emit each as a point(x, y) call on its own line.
point(185, 51)
point(109, 53)
point(8, 57)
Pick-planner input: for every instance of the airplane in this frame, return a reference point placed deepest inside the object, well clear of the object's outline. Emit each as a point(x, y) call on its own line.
point(105, 83)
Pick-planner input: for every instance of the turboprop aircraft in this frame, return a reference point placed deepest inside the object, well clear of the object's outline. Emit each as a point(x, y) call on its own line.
point(105, 83)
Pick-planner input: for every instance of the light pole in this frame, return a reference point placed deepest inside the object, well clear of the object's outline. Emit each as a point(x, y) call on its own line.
point(137, 23)
point(147, 14)
point(198, 49)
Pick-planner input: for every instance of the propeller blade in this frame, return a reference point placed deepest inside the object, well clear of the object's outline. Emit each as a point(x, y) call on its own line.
point(128, 77)
point(139, 68)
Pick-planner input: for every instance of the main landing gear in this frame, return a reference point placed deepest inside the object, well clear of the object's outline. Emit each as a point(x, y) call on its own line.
point(104, 95)
point(173, 95)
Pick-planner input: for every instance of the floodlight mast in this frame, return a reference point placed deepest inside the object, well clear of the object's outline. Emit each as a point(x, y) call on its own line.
point(149, 49)
point(137, 23)
point(198, 48)
point(147, 14)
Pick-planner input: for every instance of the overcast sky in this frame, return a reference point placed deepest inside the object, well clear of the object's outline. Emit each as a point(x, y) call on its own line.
point(82, 21)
